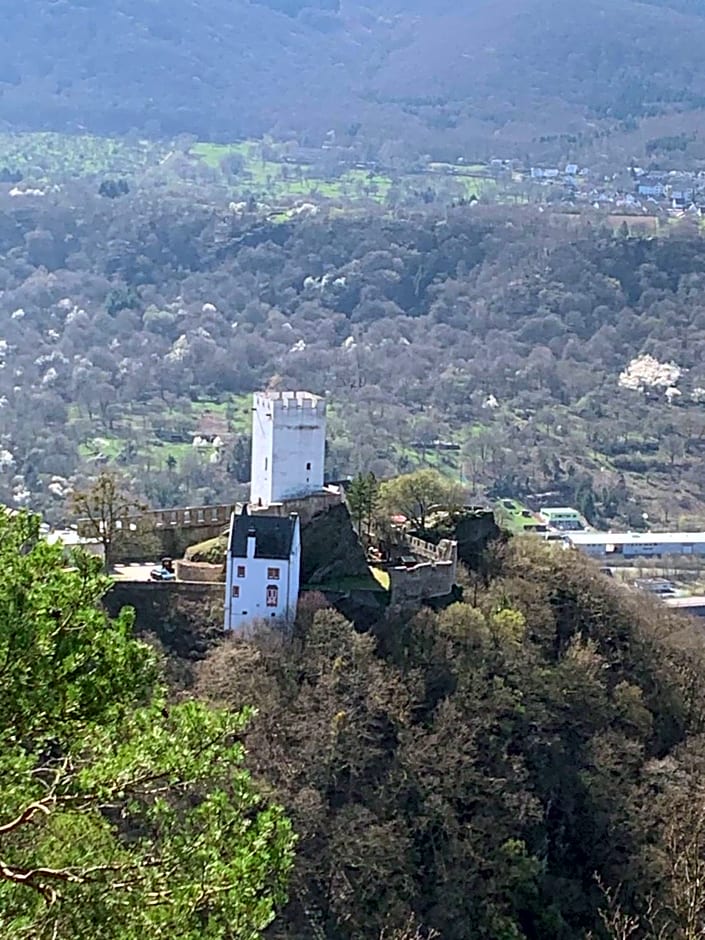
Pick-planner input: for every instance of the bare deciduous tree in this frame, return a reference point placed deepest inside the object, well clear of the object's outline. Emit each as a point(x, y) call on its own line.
point(105, 507)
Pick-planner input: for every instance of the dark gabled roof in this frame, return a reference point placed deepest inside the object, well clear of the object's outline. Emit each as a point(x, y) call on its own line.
point(274, 536)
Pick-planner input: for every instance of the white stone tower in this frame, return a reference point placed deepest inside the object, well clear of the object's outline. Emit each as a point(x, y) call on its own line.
point(288, 446)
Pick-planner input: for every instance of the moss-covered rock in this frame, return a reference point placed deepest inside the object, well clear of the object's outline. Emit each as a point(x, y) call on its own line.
point(331, 549)
point(473, 529)
point(212, 551)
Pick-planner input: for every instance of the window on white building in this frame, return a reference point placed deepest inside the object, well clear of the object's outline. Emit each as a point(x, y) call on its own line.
point(272, 595)
point(273, 574)
point(308, 466)
point(236, 590)
point(241, 571)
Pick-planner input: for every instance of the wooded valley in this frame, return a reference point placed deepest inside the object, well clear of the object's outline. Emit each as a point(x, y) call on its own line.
point(129, 324)
point(478, 230)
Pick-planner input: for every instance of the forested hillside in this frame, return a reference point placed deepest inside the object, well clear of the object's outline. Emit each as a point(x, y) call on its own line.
point(528, 768)
point(126, 321)
point(459, 222)
point(527, 765)
point(523, 75)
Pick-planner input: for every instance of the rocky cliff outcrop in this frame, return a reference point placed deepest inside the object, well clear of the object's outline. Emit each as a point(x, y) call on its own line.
point(474, 532)
point(330, 548)
point(473, 529)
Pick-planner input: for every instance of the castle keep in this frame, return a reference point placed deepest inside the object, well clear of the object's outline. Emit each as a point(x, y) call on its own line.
point(288, 446)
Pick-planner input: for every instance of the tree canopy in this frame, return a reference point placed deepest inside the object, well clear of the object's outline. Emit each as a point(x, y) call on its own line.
point(416, 495)
point(122, 815)
point(363, 499)
point(524, 768)
point(104, 508)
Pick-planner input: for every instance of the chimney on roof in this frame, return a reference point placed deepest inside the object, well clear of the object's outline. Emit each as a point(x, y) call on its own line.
point(251, 542)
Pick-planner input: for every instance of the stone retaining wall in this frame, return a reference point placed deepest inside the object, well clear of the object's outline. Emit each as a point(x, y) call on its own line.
point(187, 617)
point(305, 508)
point(409, 587)
point(199, 571)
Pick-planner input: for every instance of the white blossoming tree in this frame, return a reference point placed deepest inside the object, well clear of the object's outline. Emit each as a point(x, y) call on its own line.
point(646, 373)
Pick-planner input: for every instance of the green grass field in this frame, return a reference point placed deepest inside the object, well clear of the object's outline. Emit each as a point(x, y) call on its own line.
point(136, 434)
point(377, 581)
point(280, 179)
point(266, 173)
point(212, 154)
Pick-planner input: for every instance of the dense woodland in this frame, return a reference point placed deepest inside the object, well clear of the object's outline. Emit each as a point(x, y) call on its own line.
point(529, 766)
point(523, 76)
point(508, 330)
point(525, 765)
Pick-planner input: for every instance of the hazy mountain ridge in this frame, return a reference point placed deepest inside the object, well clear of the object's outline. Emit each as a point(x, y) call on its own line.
point(430, 74)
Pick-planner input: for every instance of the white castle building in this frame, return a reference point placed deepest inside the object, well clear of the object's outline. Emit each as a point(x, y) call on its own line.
point(264, 548)
point(288, 446)
point(262, 569)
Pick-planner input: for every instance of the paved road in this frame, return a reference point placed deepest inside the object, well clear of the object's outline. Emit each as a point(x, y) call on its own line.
point(137, 572)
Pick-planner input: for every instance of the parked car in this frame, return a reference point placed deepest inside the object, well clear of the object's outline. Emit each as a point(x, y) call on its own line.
point(164, 571)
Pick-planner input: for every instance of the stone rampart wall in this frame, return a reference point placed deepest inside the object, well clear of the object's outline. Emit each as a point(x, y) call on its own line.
point(305, 508)
point(193, 517)
point(199, 571)
point(446, 550)
point(409, 587)
point(153, 544)
point(150, 535)
point(187, 617)
point(189, 516)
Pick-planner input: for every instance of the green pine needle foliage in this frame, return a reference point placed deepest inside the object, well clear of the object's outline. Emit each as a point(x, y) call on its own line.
point(121, 815)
